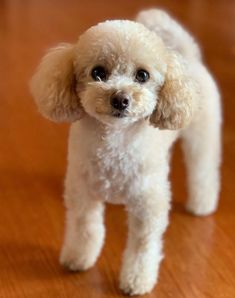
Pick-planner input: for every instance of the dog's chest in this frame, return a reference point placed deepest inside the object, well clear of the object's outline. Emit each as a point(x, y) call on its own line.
point(114, 165)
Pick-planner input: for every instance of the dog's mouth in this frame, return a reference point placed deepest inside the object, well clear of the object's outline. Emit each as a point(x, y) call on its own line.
point(119, 114)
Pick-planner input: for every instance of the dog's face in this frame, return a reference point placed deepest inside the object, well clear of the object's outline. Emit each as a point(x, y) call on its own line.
point(118, 72)
point(119, 69)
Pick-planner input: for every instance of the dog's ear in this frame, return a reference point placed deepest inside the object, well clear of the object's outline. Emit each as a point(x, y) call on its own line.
point(54, 85)
point(177, 97)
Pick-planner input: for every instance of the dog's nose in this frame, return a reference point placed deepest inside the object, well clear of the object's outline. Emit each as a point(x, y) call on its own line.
point(120, 101)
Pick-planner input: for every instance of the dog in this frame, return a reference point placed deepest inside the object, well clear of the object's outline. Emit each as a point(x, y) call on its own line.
point(131, 89)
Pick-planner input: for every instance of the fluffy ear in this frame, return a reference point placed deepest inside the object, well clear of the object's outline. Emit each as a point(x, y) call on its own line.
point(177, 97)
point(54, 85)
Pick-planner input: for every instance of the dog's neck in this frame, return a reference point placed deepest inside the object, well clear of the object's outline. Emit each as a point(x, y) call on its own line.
point(109, 133)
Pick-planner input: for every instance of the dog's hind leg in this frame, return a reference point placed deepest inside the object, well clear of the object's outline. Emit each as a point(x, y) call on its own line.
point(202, 148)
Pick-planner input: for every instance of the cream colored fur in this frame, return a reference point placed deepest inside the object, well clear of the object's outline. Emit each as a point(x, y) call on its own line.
point(126, 160)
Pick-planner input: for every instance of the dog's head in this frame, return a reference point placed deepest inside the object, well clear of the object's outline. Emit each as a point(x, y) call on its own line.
point(118, 72)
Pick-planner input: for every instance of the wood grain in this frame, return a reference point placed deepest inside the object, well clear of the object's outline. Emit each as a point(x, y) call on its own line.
point(199, 252)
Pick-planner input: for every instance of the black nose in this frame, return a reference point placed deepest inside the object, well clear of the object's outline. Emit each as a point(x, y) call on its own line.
point(120, 101)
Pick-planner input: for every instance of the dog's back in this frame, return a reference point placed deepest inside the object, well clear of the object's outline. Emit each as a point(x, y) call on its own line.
point(171, 32)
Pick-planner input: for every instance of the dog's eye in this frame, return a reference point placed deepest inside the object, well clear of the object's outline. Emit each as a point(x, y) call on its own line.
point(99, 73)
point(142, 76)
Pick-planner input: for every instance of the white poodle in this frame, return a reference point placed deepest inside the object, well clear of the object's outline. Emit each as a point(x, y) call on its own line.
point(135, 87)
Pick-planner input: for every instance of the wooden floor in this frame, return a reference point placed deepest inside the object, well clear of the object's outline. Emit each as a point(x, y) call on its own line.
point(199, 252)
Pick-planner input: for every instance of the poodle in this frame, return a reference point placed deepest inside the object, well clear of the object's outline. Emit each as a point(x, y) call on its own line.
point(130, 89)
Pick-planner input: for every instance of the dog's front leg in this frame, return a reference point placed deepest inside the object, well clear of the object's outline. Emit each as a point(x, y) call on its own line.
point(84, 235)
point(144, 247)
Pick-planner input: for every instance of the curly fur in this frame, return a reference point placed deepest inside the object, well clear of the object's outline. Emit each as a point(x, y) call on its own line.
point(126, 160)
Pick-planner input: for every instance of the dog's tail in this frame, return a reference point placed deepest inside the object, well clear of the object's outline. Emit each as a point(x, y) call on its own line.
point(173, 34)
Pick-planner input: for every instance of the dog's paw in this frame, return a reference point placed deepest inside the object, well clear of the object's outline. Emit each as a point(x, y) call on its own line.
point(201, 207)
point(138, 277)
point(76, 261)
point(136, 283)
